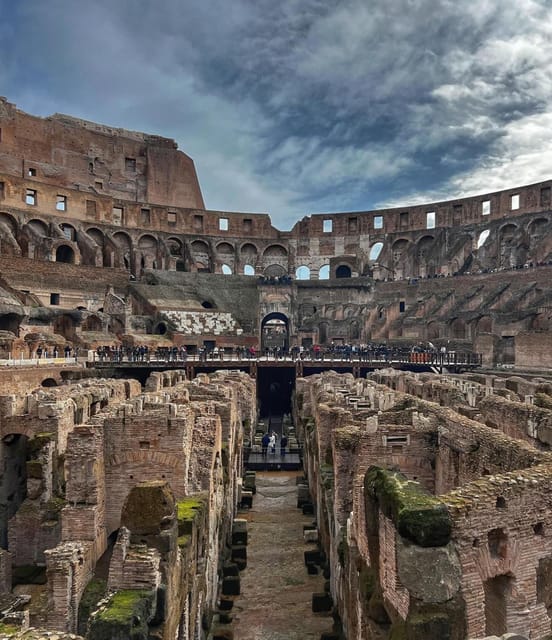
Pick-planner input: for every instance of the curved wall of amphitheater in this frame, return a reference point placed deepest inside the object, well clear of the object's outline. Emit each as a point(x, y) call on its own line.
point(110, 204)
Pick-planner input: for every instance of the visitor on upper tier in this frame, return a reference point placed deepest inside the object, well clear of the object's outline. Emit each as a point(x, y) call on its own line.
point(283, 445)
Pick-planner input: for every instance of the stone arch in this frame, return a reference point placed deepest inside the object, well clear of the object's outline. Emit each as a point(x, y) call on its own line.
point(275, 251)
point(423, 248)
point(97, 235)
point(249, 251)
point(9, 222)
point(484, 325)
point(92, 323)
point(49, 382)
point(349, 311)
point(9, 230)
point(248, 270)
point(175, 246)
point(123, 243)
point(343, 271)
point(274, 271)
point(69, 231)
point(329, 312)
point(458, 329)
point(323, 332)
point(354, 330)
point(65, 254)
point(433, 331)
point(10, 322)
point(225, 249)
point(275, 330)
point(65, 325)
point(226, 269)
point(38, 226)
point(537, 227)
point(201, 255)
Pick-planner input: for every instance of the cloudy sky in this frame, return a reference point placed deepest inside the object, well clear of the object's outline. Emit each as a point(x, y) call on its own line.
point(303, 106)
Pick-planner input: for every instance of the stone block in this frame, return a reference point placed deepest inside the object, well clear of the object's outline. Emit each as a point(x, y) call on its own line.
point(230, 569)
point(310, 535)
point(246, 499)
point(312, 556)
point(226, 604)
point(321, 602)
point(239, 552)
point(231, 586)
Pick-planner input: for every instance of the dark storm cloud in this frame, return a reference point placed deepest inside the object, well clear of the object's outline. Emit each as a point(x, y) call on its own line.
point(303, 105)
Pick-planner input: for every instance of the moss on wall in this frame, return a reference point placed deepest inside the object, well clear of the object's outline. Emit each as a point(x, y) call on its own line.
point(95, 590)
point(417, 515)
point(124, 617)
point(187, 510)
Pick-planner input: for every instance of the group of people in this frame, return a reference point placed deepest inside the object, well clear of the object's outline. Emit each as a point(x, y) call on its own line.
point(269, 443)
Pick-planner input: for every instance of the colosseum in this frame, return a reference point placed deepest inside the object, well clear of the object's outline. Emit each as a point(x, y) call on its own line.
point(367, 396)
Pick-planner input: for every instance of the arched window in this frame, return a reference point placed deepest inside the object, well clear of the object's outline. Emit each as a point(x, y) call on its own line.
point(375, 250)
point(65, 254)
point(482, 238)
point(324, 273)
point(226, 270)
point(302, 273)
point(248, 270)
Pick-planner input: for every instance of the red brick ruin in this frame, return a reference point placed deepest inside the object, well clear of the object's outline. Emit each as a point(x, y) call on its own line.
point(142, 338)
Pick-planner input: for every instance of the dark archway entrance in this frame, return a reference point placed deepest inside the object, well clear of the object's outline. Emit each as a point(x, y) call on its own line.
point(274, 331)
point(343, 271)
point(65, 254)
point(274, 389)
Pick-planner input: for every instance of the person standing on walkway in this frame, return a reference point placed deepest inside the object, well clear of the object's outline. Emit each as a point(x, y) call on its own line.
point(283, 445)
point(272, 443)
point(264, 443)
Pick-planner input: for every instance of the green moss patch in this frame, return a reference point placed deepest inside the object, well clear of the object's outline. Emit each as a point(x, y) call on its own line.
point(347, 438)
point(125, 616)
point(8, 629)
point(95, 590)
point(187, 510)
point(417, 515)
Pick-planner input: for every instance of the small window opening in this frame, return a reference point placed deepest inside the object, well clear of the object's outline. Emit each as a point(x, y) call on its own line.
point(498, 543)
point(404, 219)
point(117, 215)
point(99, 185)
point(538, 528)
point(31, 172)
point(247, 225)
point(2, 188)
point(31, 197)
point(130, 164)
point(198, 223)
point(207, 305)
point(223, 224)
point(486, 207)
point(378, 222)
point(91, 209)
point(545, 197)
point(515, 201)
point(500, 503)
point(54, 298)
point(144, 444)
point(402, 306)
point(327, 226)
point(61, 203)
point(430, 220)
point(352, 225)
point(145, 216)
point(171, 217)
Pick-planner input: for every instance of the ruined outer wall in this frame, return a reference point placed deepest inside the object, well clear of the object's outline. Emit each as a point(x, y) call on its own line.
point(66, 151)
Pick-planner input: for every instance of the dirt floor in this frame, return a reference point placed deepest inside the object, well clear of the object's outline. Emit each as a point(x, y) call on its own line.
point(276, 591)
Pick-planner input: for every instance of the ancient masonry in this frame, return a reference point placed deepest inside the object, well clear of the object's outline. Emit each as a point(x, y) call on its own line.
point(430, 493)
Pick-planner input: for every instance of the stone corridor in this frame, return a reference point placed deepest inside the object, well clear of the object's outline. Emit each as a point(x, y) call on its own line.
point(276, 591)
